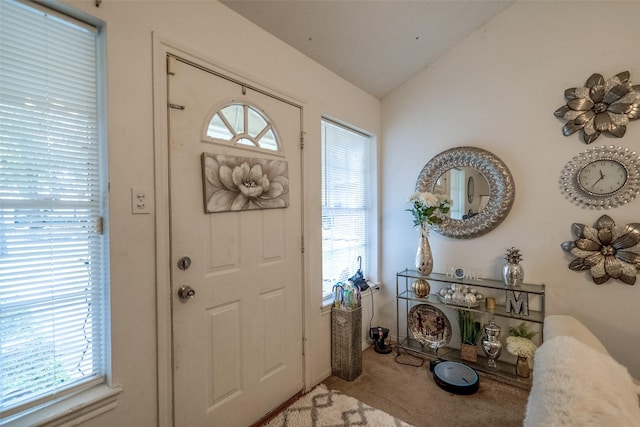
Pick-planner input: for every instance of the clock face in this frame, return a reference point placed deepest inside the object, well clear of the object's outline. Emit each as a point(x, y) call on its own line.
point(602, 177)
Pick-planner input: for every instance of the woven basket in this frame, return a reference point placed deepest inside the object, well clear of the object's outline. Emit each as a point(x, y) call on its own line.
point(468, 352)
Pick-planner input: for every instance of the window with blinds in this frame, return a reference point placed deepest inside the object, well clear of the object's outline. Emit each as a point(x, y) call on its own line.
point(346, 156)
point(53, 205)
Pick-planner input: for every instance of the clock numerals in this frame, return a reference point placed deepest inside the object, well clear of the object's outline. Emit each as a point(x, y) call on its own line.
point(602, 177)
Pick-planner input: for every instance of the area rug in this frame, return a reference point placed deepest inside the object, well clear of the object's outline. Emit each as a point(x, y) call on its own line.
point(407, 391)
point(322, 407)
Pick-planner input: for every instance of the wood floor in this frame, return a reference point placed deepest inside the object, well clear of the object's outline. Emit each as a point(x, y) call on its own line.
point(408, 392)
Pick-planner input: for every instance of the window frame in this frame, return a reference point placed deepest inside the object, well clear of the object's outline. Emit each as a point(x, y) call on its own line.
point(238, 135)
point(94, 397)
point(372, 188)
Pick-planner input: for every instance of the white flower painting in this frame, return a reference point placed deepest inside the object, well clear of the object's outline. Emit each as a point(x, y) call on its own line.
point(241, 183)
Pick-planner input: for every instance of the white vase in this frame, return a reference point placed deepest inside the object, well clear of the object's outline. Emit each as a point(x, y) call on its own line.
point(424, 258)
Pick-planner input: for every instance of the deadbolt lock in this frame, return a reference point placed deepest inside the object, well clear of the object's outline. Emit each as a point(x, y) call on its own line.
point(184, 263)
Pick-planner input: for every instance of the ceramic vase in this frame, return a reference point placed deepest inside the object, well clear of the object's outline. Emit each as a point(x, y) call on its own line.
point(491, 344)
point(421, 288)
point(424, 258)
point(512, 274)
point(522, 367)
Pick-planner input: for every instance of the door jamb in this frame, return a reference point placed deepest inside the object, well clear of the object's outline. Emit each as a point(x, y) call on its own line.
point(163, 46)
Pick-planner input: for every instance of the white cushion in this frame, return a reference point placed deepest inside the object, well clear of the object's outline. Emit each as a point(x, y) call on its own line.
point(577, 385)
point(558, 324)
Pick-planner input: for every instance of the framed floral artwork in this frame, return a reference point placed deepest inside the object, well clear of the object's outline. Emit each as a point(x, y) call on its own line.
point(233, 183)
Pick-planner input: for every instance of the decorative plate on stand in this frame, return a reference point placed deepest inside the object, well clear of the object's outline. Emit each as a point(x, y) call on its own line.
point(429, 325)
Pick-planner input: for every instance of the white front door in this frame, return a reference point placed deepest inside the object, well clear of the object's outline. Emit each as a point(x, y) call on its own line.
point(237, 344)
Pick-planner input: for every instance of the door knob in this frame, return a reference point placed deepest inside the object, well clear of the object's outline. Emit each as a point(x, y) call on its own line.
point(186, 292)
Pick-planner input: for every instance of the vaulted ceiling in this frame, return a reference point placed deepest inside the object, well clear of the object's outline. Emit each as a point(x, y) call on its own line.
point(376, 45)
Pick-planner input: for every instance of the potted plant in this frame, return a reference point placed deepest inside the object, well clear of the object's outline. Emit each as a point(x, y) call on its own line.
point(519, 344)
point(469, 334)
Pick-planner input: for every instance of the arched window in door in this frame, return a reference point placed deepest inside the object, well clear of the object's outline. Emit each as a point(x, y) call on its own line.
point(242, 124)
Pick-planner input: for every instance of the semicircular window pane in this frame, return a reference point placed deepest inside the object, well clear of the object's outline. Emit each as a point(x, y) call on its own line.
point(242, 124)
point(218, 129)
point(245, 141)
point(256, 122)
point(235, 116)
point(268, 141)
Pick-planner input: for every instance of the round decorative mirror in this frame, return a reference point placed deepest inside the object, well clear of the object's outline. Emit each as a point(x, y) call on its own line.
point(479, 184)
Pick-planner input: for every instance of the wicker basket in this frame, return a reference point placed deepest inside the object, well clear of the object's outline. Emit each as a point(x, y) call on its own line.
point(346, 343)
point(468, 352)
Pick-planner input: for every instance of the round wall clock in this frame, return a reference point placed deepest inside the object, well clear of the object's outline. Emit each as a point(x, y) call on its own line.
point(602, 177)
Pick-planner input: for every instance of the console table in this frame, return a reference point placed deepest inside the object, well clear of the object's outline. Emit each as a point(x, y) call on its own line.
point(406, 299)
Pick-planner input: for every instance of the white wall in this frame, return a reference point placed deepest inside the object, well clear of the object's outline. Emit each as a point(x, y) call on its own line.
point(215, 32)
point(498, 90)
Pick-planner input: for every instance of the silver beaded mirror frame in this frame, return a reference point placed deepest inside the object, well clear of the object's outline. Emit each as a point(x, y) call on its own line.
point(501, 187)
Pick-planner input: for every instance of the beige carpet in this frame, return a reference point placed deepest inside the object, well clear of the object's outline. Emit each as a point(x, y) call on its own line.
point(322, 407)
point(410, 394)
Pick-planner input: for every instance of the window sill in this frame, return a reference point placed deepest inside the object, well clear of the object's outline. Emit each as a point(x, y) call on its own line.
point(70, 411)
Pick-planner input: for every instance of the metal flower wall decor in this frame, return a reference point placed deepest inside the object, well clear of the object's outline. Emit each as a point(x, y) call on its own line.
point(606, 250)
point(242, 183)
point(601, 106)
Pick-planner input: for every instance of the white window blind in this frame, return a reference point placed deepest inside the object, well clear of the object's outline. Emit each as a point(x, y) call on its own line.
point(53, 253)
point(345, 203)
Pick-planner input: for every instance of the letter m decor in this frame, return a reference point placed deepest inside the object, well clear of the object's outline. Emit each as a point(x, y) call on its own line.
point(517, 304)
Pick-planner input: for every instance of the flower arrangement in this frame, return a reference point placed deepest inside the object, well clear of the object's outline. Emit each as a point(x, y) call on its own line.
point(428, 208)
point(520, 346)
point(521, 331)
point(519, 341)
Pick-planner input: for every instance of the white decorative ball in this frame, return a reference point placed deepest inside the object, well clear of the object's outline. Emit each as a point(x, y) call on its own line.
point(479, 297)
point(470, 298)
